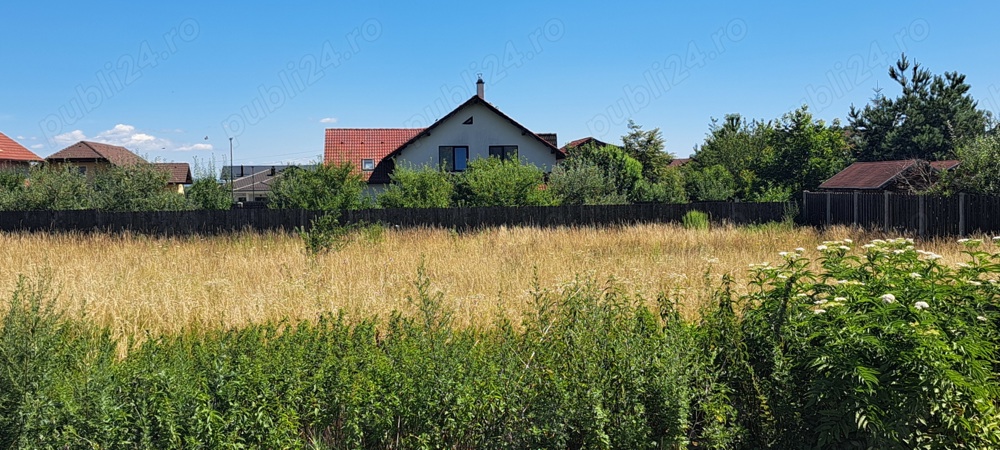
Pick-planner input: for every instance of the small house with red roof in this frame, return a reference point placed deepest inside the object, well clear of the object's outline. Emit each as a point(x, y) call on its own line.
point(475, 129)
point(906, 176)
point(14, 155)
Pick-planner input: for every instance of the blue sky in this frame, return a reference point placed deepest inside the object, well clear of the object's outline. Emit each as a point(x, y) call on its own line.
point(174, 81)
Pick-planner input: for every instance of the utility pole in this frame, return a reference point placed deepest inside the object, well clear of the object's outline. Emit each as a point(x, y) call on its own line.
point(232, 185)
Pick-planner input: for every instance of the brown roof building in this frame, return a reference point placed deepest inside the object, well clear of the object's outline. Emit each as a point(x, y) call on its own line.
point(909, 175)
point(95, 152)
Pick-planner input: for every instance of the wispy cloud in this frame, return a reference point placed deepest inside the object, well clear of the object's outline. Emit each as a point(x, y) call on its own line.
point(328, 120)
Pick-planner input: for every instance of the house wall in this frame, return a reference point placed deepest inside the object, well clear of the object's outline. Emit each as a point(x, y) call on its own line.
point(487, 129)
point(92, 167)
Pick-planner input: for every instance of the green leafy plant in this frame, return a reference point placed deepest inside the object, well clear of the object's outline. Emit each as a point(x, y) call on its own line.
point(695, 220)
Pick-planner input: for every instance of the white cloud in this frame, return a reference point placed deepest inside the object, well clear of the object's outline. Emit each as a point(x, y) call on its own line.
point(127, 136)
point(70, 138)
point(20, 138)
point(328, 120)
point(195, 147)
point(37, 146)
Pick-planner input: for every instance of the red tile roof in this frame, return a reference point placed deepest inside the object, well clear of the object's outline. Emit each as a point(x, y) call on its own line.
point(10, 150)
point(88, 151)
point(868, 175)
point(677, 162)
point(351, 145)
point(180, 173)
point(583, 141)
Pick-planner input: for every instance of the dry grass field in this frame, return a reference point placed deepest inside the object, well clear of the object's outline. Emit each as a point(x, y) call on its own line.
point(135, 284)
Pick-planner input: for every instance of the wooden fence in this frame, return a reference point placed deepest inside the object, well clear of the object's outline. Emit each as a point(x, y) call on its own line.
point(922, 215)
point(214, 222)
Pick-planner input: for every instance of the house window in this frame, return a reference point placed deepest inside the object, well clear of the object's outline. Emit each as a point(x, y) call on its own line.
point(367, 165)
point(504, 152)
point(453, 159)
point(82, 170)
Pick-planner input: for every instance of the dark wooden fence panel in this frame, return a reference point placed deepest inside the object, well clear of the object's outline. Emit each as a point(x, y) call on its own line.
point(922, 215)
point(213, 222)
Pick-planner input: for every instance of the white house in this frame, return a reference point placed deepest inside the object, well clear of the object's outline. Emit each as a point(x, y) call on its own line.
point(475, 129)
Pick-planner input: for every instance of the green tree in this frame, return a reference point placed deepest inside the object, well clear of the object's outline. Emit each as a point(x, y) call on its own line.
point(136, 187)
point(53, 188)
point(578, 181)
point(804, 153)
point(979, 170)
point(647, 148)
point(326, 188)
point(208, 193)
point(495, 182)
point(713, 183)
point(740, 147)
point(623, 171)
point(670, 188)
point(417, 188)
point(931, 118)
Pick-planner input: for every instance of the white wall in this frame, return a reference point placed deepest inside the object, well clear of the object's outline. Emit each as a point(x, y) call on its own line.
point(487, 129)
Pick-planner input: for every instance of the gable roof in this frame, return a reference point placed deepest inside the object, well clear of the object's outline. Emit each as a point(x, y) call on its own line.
point(88, 151)
point(868, 175)
point(583, 141)
point(179, 173)
point(474, 101)
point(351, 145)
point(677, 162)
point(10, 150)
point(256, 182)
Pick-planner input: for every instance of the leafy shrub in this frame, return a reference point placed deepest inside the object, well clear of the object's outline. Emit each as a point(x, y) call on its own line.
point(496, 182)
point(888, 348)
point(325, 188)
point(711, 184)
point(577, 181)
point(669, 189)
point(51, 188)
point(137, 187)
point(207, 193)
point(417, 188)
point(695, 220)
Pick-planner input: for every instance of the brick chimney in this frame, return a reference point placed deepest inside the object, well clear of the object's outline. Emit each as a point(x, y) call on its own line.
point(481, 88)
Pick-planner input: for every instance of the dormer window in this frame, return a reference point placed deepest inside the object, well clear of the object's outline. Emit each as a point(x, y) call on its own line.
point(367, 165)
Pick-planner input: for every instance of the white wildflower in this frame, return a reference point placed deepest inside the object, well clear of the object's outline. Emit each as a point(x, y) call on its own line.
point(898, 252)
point(981, 318)
point(848, 240)
point(782, 254)
point(819, 302)
point(915, 276)
point(844, 247)
point(841, 281)
point(868, 246)
point(932, 256)
point(840, 299)
point(921, 305)
point(963, 240)
point(801, 294)
point(996, 238)
point(800, 250)
point(878, 241)
point(888, 298)
point(975, 283)
point(819, 311)
point(821, 248)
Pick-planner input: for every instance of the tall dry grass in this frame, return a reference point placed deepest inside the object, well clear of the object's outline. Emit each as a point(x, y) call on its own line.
point(136, 284)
